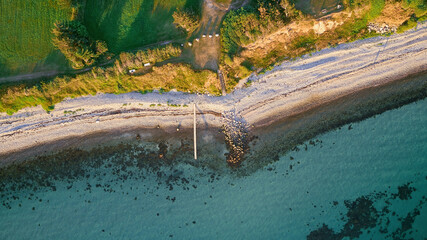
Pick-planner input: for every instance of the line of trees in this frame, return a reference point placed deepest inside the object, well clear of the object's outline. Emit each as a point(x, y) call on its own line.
point(72, 39)
point(137, 60)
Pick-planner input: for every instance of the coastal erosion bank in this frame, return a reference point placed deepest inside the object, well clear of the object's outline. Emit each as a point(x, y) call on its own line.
point(286, 92)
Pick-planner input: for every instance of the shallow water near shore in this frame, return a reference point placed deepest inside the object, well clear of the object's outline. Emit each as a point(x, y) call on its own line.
point(364, 180)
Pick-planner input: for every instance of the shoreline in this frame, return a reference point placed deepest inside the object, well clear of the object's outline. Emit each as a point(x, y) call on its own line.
point(303, 129)
point(292, 88)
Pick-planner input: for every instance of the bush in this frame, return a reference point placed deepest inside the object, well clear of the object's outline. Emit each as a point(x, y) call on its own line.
point(245, 25)
point(289, 8)
point(239, 27)
point(72, 39)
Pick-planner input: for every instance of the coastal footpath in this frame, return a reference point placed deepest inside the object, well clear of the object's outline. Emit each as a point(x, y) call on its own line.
point(289, 89)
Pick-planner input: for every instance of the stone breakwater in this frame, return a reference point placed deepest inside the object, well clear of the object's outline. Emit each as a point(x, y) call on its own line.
point(236, 135)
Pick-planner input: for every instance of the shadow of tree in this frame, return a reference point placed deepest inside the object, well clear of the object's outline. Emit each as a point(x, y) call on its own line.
point(102, 19)
point(152, 24)
point(4, 70)
point(195, 6)
point(129, 24)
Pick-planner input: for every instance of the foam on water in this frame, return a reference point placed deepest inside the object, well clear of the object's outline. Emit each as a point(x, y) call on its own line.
point(325, 185)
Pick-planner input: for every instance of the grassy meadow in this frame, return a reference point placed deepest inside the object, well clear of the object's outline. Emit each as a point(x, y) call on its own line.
point(26, 28)
point(25, 34)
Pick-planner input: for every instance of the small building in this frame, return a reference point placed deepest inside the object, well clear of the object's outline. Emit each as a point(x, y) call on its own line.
point(197, 39)
point(147, 64)
point(132, 71)
point(190, 44)
point(216, 35)
point(210, 35)
point(204, 35)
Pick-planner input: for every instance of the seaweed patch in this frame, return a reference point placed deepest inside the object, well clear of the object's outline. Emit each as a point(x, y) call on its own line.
point(106, 168)
point(364, 216)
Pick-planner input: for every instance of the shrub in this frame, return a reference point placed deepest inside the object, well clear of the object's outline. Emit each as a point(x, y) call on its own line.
point(289, 8)
point(239, 27)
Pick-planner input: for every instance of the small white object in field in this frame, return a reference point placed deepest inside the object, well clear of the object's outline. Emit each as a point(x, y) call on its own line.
point(216, 35)
point(190, 44)
point(182, 45)
point(204, 35)
point(97, 120)
point(132, 71)
point(210, 35)
point(197, 39)
point(339, 6)
point(146, 64)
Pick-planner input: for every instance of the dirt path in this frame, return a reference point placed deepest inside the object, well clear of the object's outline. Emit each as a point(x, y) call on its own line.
point(221, 80)
point(206, 46)
point(205, 41)
point(29, 76)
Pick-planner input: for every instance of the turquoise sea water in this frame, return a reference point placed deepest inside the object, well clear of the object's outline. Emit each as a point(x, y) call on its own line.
point(366, 180)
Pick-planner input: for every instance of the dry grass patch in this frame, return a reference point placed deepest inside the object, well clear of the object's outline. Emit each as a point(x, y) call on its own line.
point(165, 78)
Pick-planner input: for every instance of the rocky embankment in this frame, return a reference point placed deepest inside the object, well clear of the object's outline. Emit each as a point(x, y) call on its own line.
point(237, 139)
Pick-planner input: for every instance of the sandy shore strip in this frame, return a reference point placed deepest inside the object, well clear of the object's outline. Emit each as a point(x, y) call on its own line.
point(290, 88)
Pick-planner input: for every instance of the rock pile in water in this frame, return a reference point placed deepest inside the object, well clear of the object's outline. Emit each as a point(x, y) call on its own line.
point(236, 134)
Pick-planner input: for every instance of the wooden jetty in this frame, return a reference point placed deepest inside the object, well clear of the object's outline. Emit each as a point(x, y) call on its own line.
point(195, 135)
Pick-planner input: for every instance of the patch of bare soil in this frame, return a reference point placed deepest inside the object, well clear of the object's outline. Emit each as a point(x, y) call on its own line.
point(393, 15)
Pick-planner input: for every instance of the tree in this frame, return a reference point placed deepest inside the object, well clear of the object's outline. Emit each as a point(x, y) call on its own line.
point(186, 20)
point(288, 8)
point(101, 47)
point(72, 39)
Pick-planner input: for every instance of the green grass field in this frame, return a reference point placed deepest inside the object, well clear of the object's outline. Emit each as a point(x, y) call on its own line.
point(127, 24)
point(25, 33)
point(26, 25)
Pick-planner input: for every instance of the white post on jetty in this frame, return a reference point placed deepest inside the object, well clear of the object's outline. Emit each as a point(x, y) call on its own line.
point(195, 140)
